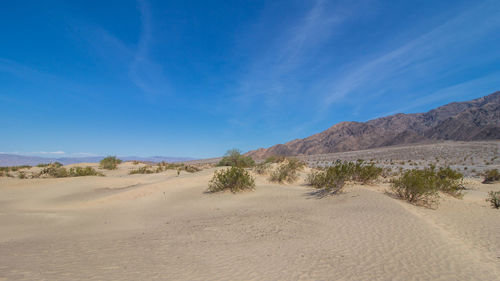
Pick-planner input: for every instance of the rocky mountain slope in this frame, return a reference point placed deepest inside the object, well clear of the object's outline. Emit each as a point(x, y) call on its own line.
point(477, 119)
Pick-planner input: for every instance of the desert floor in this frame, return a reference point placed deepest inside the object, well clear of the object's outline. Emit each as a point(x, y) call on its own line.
point(165, 227)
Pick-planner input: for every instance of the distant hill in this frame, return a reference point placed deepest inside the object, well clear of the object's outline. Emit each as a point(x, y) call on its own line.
point(16, 160)
point(477, 119)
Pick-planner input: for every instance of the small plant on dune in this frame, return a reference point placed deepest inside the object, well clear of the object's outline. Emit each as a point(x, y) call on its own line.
point(82, 172)
point(330, 180)
point(110, 163)
point(55, 171)
point(287, 171)
point(417, 187)
point(22, 175)
point(262, 168)
point(42, 165)
point(234, 158)
point(275, 159)
point(450, 182)
point(235, 179)
point(365, 173)
point(491, 176)
point(143, 170)
point(494, 199)
point(191, 169)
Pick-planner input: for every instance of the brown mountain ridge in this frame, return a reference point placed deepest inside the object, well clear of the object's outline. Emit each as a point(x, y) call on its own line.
point(478, 119)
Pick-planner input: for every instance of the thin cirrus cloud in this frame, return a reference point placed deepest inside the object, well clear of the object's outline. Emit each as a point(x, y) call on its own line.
point(429, 53)
point(269, 75)
point(147, 75)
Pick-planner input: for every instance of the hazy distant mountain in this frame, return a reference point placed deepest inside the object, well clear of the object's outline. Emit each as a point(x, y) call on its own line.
point(16, 160)
point(477, 119)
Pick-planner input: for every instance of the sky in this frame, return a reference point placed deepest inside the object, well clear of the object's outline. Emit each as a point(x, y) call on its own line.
point(196, 78)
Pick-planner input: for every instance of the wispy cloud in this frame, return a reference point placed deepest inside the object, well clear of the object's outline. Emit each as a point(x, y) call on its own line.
point(422, 55)
point(147, 75)
point(271, 75)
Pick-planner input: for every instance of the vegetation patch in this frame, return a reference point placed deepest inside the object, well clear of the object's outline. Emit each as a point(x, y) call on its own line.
point(262, 168)
point(287, 171)
point(234, 158)
point(235, 179)
point(110, 163)
point(83, 172)
point(494, 199)
point(164, 166)
point(332, 179)
point(421, 187)
point(491, 176)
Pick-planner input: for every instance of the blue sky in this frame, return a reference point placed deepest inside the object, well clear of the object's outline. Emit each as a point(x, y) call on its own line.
point(195, 78)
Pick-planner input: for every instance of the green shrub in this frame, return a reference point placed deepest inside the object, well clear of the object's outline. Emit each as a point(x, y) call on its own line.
point(365, 173)
point(234, 158)
point(163, 166)
point(110, 163)
point(330, 180)
point(42, 165)
point(494, 199)
point(491, 176)
point(14, 168)
point(191, 169)
point(275, 159)
point(82, 172)
point(417, 187)
point(287, 171)
point(262, 168)
point(55, 171)
point(234, 179)
point(450, 182)
point(22, 175)
point(143, 170)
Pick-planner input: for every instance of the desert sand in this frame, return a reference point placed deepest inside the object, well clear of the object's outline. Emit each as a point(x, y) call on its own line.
point(166, 227)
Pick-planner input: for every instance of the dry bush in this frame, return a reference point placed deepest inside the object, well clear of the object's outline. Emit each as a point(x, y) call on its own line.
point(82, 172)
point(143, 170)
point(235, 179)
point(417, 187)
point(234, 158)
point(287, 171)
point(110, 163)
point(494, 199)
point(491, 176)
point(262, 168)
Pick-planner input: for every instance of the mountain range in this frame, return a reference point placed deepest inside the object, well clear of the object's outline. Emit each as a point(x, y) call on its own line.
point(17, 160)
point(478, 119)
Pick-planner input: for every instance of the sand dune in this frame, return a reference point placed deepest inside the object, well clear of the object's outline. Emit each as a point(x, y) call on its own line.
point(164, 227)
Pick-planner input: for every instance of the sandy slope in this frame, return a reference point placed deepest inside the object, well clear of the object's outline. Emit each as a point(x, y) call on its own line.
point(164, 227)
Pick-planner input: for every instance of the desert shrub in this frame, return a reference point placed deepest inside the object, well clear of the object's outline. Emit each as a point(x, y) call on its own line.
point(330, 180)
point(365, 173)
point(82, 172)
point(417, 187)
point(191, 169)
point(22, 175)
point(275, 159)
point(449, 181)
point(491, 176)
point(234, 179)
point(262, 168)
point(110, 163)
point(287, 171)
point(14, 168)
point(143, 170)
point(43, 165)
point(163, 166)
point(234, 158)
point(494, 199)
point(55, 171)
